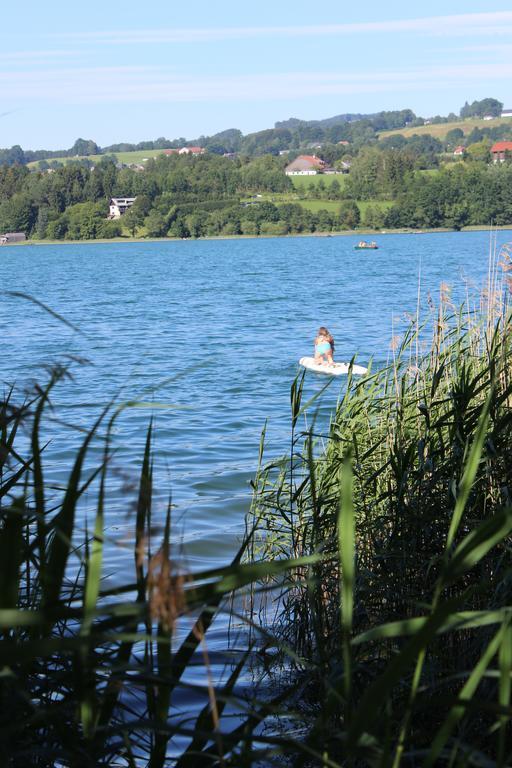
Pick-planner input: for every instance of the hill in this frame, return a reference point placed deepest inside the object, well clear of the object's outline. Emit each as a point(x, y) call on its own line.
point(136, 157)
point(439, 130)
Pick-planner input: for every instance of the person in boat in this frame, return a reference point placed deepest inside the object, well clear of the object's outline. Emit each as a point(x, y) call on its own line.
point(324, 347)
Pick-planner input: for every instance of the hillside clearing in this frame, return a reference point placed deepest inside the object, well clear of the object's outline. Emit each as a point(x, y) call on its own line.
point(439, 130)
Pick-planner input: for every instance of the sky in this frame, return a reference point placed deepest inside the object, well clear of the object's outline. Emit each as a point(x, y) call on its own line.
point(135, 71)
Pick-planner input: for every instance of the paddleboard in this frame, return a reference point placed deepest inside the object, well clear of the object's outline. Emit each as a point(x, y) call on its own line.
point(338, 369)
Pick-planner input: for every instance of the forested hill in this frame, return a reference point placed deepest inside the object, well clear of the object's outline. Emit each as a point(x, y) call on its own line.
point(289, 135)
point(286, 136)
point(186, 196)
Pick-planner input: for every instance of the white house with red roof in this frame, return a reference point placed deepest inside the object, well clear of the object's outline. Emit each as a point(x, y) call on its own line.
point(458, 151)
point(192, 151)
point(305, 165)
point(499, 151)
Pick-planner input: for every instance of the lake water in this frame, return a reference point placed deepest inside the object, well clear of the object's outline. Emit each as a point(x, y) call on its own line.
point(214, 329)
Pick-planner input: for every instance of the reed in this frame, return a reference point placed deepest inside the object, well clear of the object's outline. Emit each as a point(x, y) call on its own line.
point(92, 675)
point(400, 635)
point(374, 581)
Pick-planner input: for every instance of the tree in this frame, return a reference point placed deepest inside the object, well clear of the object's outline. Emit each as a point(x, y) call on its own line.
point(84, 147)
point(479, 151)
point(349, 215)
point(155, 223)
point(481, 108)
point(453, 137)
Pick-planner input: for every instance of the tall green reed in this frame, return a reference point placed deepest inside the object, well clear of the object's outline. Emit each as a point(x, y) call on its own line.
point(93, 674)
point(400, 633)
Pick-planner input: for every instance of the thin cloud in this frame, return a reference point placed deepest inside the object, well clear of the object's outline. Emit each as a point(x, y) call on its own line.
point(498, 22)
point(44, 55)
point(132, 84)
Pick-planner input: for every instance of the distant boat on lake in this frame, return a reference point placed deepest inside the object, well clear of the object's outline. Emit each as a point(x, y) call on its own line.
point(363, 245)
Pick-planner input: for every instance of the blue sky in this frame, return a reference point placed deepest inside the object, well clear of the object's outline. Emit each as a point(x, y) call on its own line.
point(132, 71)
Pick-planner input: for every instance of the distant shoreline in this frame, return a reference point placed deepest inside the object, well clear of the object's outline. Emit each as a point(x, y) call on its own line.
point(345, 233)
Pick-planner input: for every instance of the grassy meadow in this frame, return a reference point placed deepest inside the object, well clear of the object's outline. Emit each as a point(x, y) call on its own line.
point(439, 130)
point(302, 185)
point(138, 156)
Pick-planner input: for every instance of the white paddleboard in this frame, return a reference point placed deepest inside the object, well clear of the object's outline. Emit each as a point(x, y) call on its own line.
point(338, 369)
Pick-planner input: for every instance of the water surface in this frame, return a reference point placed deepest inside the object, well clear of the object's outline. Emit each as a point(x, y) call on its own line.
point(214, 328)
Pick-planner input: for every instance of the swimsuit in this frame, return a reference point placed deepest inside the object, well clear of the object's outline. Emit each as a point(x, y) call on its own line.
point(323, 348)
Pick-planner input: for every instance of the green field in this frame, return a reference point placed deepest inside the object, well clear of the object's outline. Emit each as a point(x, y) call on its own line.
point(440, 130)
point(333, 206)
point(138, 156)
point(304, 182)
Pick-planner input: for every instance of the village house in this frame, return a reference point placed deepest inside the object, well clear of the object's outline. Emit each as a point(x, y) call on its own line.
point(12, 237)
point(458, 151)
point(305, 165)
point(192, 151)
point(506, 113)
point(499, 151)
point(119, 206)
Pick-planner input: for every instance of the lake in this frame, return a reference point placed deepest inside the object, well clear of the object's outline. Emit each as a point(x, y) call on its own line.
point(213, 329)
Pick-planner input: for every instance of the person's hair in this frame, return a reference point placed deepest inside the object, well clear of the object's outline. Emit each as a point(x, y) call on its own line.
point(322, 331)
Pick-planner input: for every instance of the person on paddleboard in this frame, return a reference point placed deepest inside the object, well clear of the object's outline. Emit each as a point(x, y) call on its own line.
point(324, 346)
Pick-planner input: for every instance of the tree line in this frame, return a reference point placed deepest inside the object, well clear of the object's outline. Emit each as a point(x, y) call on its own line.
point(181, 196)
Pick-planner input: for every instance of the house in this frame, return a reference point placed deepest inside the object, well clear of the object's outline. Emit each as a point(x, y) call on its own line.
point(192, 151)
point(458, 151)
point(344, 143)
point(506, 113)
point(119, 206)
point(305, 165)
point(499, 151)
point(12, 237)
point(171, 151)
point(488, 117)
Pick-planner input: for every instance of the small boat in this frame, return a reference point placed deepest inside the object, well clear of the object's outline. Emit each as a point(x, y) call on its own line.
point(363, 245)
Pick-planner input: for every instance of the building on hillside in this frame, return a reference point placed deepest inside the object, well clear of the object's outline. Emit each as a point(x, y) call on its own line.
point(506, 113)
point(12, 237)
point(344, 143)
point(171, 151)
point(119, 206)
point(305, 165)
point(192, 151)
point(500, 150)
point(458, 151)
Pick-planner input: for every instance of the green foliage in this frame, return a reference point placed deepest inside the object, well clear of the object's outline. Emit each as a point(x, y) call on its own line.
point(209, 195)
point(483, 193)
point(400, 636)
point(481, 108)
point(349, 215)
point(103, 671)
